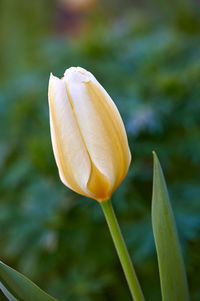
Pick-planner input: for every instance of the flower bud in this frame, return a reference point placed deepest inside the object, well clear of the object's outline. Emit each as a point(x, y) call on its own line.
point(88, 135)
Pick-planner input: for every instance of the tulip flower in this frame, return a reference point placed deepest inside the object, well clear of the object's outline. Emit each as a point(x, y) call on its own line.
point(91, 149)
point(88, 135)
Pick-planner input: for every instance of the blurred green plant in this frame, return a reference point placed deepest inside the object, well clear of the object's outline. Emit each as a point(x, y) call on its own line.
point(148, 59)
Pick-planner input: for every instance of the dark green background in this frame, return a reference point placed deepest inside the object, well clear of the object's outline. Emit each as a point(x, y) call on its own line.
point(147, 56)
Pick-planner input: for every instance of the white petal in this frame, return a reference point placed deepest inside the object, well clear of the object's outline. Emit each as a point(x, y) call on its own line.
point(100, 124)
point(70, 153)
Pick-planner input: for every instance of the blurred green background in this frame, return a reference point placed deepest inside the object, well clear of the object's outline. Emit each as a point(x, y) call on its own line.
point(147, 56)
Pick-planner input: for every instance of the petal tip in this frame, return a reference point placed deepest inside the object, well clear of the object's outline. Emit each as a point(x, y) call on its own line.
point(53, 77)
point(77, 74)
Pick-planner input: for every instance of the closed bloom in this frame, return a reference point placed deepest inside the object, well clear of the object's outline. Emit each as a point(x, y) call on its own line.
point(88, 136)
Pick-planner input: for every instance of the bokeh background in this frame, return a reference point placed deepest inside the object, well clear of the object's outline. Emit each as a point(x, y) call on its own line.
point(147, 56)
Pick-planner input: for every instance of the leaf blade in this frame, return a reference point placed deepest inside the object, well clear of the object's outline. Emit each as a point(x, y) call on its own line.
point(20, 286)
point(171, 267)
point(6, 293)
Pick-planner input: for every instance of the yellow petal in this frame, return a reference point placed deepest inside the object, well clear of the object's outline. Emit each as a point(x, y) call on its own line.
point(69, 150)
point(100, 125)
point(98, 185)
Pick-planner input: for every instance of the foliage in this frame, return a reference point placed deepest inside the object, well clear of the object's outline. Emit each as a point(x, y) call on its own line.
point(16, 286)
point(147, 58)
point(171, 267)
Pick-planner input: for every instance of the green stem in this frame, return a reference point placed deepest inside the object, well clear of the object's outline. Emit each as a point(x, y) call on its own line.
point(122, 251)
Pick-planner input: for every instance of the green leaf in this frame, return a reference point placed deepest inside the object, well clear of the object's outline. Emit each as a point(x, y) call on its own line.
point(171, 267)
point(6, 293)
point(20, 286)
